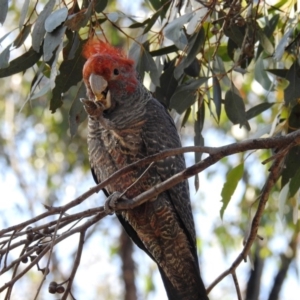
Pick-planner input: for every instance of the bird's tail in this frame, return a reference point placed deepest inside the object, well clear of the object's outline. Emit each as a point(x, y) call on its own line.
point(191, 291)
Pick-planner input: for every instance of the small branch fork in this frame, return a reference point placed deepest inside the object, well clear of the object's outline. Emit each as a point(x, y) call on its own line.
point(41, 239)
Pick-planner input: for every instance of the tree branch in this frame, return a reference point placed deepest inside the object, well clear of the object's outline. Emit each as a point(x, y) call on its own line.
point(37, 235)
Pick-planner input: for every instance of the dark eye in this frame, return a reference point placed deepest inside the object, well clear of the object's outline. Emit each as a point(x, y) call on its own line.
point(116, 72)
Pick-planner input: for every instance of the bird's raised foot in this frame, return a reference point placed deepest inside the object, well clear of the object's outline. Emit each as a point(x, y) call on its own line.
point(111, 202)
point(94, 109)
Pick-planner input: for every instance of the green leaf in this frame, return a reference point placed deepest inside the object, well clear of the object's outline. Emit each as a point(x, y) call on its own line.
point(292, 92)
point(268, 31)
point(278, 72)
point(168, 84)
point(173, 31)
point(258, 109)
point(39, 30)
point(156, 4)
point(186, 116)
point(55, 19)
point(70, 73)
point(295, 183)
point(193, 69)
point(52, 40)
point(235, 109)
point(235, 33)
point(261, 76)
point(184, 96)
point(196, 43)
point(22, 63)
point(282, 200)
point(281, 45)
point(150, 66)
point(232, 179)
point(163, 51)
point(4, 57)
point(265, 42)
point(100, 5)
point(77, 114)
point(217, 96)
point(291, 165)
point(24, 13)
point(219, 69)
point(3, 10)
point(138, 24)
point(194, 46)
point(144, 62)
point(22, 36)
point(151, 21)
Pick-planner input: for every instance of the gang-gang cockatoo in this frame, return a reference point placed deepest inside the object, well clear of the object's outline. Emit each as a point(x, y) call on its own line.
point(125, 124)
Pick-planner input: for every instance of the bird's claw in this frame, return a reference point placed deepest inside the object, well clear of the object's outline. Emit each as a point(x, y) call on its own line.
point(92, 108)
point(110, 203)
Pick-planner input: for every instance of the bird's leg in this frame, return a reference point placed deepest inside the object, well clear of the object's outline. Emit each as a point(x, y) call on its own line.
point(111, 202)
point(94, 109)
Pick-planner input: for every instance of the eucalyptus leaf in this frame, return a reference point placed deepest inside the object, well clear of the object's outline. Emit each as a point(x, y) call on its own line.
point(278, 72)
point(283, 195)
point(292, 92)
point(3, 10)
point(281, 45)
point(291, 165)
point(168, 84)
point(56, 19)
point(173, 31)
point(261, 76)
point(52, 40)
point(22, 36)
point(268, 31)
point(23, 14)
point(163, 51)
point(39, 30)
point(232, 179)
point(265, 42)
point(184, 96)
point(295, 184)
point(186, 116)
point(152, 21)
point(100, 5)
point(77, 113)
point(219, 69)
point(217, 96)
point(150, 66)
point(235, 109)
point(4, 57)
point(22, 63)
point(70, 73)
point(258, 109)
point(196, 43)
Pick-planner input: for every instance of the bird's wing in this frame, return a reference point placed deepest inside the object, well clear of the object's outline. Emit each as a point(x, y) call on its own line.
point(159, 134)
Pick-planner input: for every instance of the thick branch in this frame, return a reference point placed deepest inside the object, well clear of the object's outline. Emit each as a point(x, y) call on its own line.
point(216, 154)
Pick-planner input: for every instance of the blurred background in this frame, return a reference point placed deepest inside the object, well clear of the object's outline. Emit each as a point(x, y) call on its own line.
point(41, 163)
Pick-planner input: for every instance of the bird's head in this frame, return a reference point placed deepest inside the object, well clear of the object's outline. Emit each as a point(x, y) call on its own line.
point(108, 75)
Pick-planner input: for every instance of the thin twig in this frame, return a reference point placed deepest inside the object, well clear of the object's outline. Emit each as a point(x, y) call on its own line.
point(237, 286)
point(45, 273)
point(75, 266)
point(275, 172)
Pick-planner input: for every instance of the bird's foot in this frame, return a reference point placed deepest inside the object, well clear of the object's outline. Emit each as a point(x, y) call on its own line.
point(94, 109)
point(111, 202)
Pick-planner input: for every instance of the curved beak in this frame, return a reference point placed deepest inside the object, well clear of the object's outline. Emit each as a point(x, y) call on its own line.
point(100, 89)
